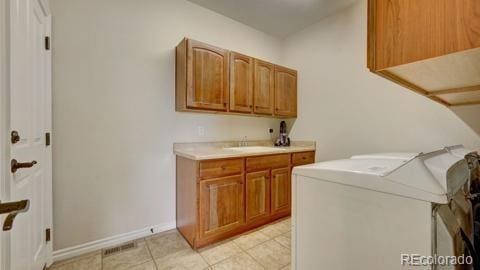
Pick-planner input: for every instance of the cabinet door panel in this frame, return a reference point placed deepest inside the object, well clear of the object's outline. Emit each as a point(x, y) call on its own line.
point(406, 31)
point(257, 195)
point(221, 205)
point(285, 92)
point(280, 191)
point(263, 90)
point(241, 83)
point(207, 85)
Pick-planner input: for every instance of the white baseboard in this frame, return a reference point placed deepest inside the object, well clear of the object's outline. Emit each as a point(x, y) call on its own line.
point(77, 250)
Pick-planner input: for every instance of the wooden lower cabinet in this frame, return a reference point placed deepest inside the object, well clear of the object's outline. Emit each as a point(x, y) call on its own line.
point(280, 191)
point(221, 205)
point(257, 196)
point(217, 199)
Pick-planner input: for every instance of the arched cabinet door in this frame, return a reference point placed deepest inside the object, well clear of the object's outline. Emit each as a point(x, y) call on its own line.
point(241, 83)
point(207, 79)
point(264, 86)
point(285, 92)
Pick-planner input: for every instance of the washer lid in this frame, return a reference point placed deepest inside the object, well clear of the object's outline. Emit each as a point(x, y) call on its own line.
point(370, 166)
point(395, 155)
point(430, 177)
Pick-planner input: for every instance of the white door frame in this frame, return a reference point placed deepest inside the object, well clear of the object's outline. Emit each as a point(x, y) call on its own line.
point(4, 116)
point(5, 119)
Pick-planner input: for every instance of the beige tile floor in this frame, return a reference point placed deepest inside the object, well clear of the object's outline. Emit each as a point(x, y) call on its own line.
point(265, 248)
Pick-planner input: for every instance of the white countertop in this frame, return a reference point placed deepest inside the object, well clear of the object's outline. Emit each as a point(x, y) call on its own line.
point(217, 150)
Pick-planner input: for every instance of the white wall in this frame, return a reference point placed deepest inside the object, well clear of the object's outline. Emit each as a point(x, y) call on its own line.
point(115, 123)
point(349, 110)
point(114, 117)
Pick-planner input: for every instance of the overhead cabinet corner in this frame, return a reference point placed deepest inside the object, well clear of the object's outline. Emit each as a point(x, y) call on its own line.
point(430, 46)
point(214, 80)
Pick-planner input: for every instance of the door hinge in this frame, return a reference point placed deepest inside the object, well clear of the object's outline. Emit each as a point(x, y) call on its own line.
point(48, 235)
point(47, 138)
point(47, 43)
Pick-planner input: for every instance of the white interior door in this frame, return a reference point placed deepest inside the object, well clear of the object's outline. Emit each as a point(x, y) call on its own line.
point(30, 116)
point(3, 121)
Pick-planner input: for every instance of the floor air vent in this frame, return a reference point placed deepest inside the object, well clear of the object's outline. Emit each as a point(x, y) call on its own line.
point(110, 251)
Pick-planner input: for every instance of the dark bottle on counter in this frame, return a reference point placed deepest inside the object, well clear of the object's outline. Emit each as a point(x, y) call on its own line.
point(283, 139)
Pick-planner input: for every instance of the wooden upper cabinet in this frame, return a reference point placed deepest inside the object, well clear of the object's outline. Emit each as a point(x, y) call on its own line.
point(285, 92)
point(221, 205)
point(406, 31)
point(429, 46)
point(263, 87)
point(206, 74)
point(280, 191)
point(215, 80)
point(241, 83)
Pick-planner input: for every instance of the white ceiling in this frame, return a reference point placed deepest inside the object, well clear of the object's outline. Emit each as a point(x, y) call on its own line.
point(276, 17)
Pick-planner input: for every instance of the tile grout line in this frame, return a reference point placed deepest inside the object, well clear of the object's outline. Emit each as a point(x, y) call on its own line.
point(281, 267)
point(242, 249)
point(203, 258)
point(151, 255)
point(272, 238)
point(281, 243)
point(258, 243)
point(231, 241)
point(248, 254)
point(255, 260)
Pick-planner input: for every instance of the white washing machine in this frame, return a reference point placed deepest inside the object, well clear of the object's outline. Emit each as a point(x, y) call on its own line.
point(377, 212)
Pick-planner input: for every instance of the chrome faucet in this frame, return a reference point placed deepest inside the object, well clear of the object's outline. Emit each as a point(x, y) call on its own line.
point(243, 142)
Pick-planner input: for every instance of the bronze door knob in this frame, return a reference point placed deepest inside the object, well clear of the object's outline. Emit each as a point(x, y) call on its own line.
point(15, 165)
